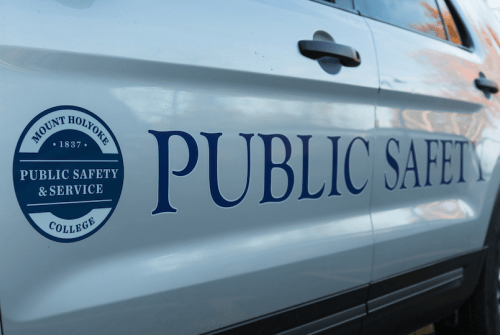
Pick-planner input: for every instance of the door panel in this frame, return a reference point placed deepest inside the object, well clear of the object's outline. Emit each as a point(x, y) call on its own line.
point(430, 186)
point(166, 78)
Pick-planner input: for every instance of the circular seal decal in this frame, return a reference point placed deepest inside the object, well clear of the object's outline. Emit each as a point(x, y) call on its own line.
point(68, 173)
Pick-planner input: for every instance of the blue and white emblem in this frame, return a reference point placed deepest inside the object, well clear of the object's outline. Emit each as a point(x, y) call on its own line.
point(68, 173)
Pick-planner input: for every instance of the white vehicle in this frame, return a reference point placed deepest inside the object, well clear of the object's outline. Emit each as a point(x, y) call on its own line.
point(249, 167)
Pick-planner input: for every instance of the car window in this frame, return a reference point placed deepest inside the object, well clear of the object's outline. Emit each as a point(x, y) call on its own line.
point(451, 26)
point(420, 15)
point(346, 4)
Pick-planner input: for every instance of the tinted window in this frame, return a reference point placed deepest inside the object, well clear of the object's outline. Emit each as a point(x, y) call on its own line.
point(420, 15)
point(451, 26)
point(347, 4)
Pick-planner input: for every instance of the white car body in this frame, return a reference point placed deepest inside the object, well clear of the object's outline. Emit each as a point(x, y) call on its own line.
point(323, 183)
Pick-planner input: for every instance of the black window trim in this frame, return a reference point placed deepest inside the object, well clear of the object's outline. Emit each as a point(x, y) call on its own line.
point(461, 25)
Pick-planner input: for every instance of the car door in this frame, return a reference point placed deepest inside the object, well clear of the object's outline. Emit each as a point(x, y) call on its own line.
point(180, 167)
point(435, 152)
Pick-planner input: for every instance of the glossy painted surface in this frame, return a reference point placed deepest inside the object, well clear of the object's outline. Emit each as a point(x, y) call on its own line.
point(200, 69)
point(234, 240)
point(436, 148)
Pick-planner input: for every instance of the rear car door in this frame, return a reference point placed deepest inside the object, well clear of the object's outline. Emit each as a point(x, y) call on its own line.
point(433, 188)
point(180, 167)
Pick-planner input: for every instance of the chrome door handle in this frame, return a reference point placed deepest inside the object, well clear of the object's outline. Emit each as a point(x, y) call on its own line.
point(316, 49)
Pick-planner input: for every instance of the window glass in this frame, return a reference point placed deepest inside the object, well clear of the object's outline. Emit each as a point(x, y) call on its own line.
point(347, 4)
point(451, 27)
point(420, 15)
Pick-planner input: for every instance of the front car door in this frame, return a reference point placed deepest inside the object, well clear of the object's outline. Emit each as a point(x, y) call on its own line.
point(180, 167)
